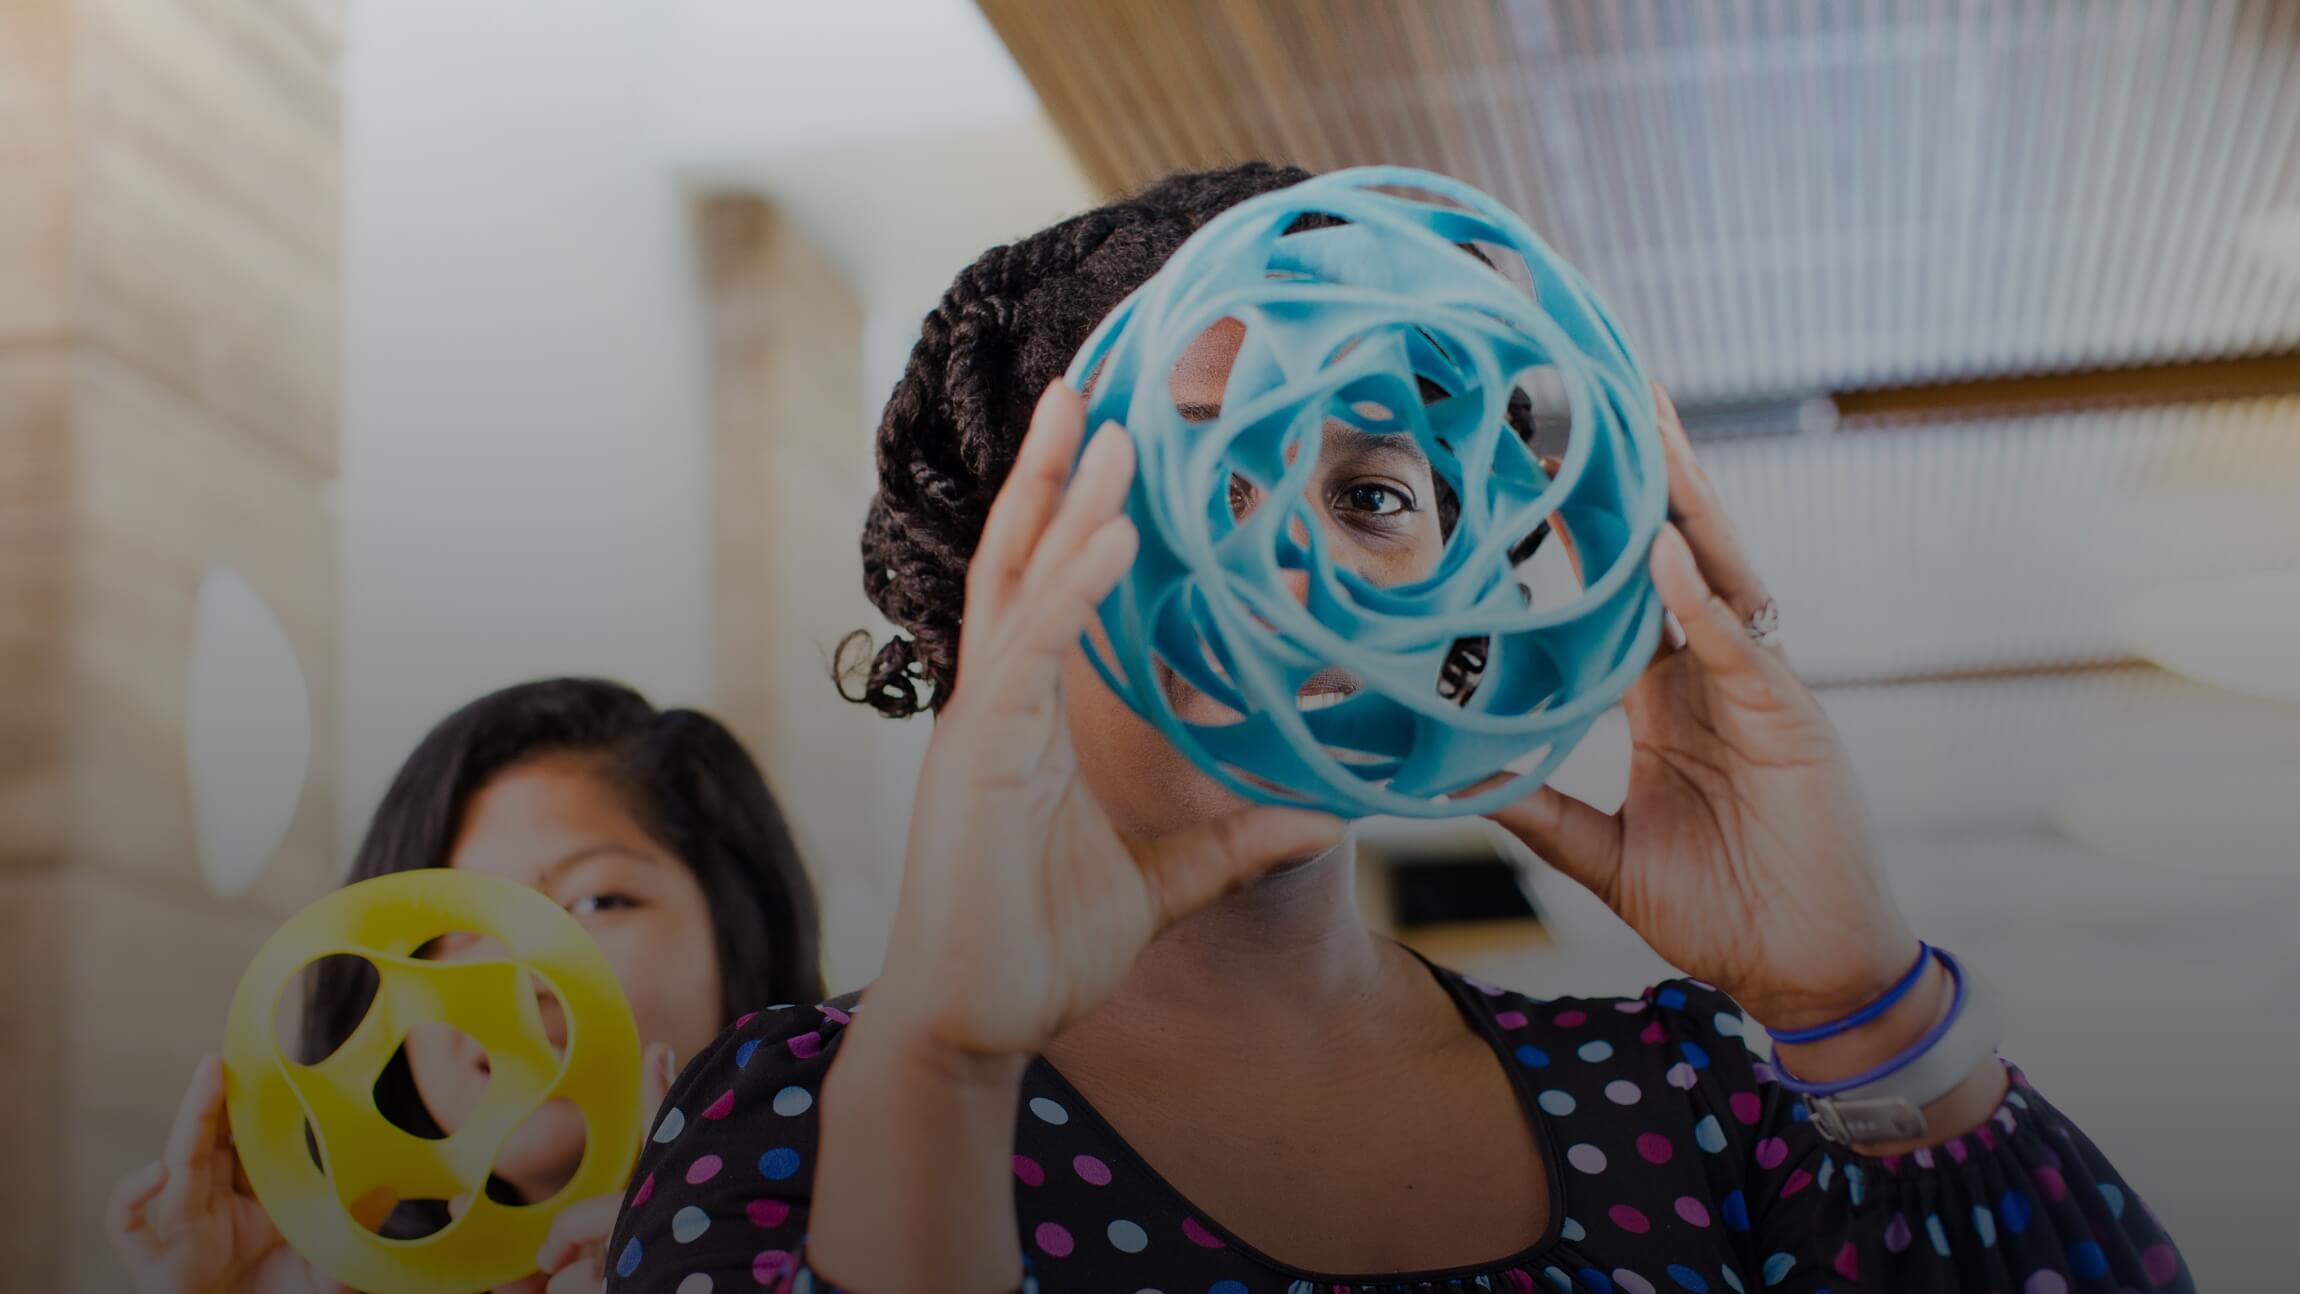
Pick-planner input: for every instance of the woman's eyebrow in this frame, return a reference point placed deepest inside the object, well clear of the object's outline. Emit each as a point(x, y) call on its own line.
point(552, 871)
point(1341, 439)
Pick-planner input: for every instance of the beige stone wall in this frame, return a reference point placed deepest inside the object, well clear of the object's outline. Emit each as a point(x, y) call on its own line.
point(168, 304)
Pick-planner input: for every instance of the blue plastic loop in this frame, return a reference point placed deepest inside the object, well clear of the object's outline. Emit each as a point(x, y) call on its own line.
point(1348, 322)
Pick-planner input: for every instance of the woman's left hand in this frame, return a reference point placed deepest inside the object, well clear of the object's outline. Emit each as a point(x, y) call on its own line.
point(1742, 853)
point(573, 1259)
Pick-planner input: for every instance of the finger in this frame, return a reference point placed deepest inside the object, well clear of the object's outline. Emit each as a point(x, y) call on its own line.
point(585, 1223)
point(1189, 871)
point(1714, 632)
point(124, 1212)
point(1053, 616)
point(659, 1068)
point(1575, 838)
point(193, 1139)
point(1025, 503)
point(1097, 493)
point(456, 1204)
point(1695, 507)
point(585, 1277)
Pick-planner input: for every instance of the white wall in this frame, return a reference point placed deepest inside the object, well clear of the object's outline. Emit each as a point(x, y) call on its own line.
point(524, 418)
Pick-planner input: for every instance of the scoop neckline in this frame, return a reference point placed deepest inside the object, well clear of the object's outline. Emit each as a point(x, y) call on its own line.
point(1459, 991)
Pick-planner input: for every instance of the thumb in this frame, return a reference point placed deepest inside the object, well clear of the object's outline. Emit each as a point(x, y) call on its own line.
point(1191, 869)
point(1581, 841)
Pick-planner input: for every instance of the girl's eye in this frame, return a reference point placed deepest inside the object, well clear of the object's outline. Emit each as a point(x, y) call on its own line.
point(591, 903)
point(1376, 500)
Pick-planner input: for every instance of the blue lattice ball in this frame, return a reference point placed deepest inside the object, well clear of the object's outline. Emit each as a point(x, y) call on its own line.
point(1385, 323)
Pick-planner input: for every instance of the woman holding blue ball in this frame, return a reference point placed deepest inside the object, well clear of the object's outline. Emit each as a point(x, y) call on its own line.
point(1131, 1033)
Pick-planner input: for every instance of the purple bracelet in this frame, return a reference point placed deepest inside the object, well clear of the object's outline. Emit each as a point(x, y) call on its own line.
point(1870, 1012)
point(1897, 1063)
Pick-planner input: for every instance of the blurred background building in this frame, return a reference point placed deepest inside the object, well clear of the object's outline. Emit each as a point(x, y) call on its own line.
point(493, 340)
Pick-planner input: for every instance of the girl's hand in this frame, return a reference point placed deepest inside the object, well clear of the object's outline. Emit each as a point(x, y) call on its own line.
point(573, 1259)
point(187, 1225)
point(1021, 905)
point(1742, 853)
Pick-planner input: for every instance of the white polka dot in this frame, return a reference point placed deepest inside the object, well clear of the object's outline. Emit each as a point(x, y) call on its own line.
point(1594, 1052)
point(1556, 1102)
point(689, 1223)
point(1587, 1158)
point(697, 1283)
point(793, 1101)
point(1681, 1076)
point(1623, 1092)
point(1049, 1111)
point(1128, 1238)
point(1630, 1282)
point(1729, 1024)
point(672, 1125)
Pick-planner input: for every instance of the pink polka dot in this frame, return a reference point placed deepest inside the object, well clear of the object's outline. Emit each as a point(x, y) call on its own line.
point(1091, 1170)
point(704, 1169)
point(1693, 1211)
point(1798, 1181)
point(2045, 1282)
point(807, 1045)
point(1629, 1282)
point(1987, 1138)
point(722, 1107)
point(1635, 1006)
point(1745, 1106)
point(1629, 1219)
point(1682, 1077)
point(1924, 1157)
point(644, 1193)
point(1052, 1239)
point(1028, 1170)
point(1570, 1019)
point(1653, 1147)
point(1199, 1235)
point(2051, 1185)
point(1765, 1073)
point(1772, 1152)
point(1510, 1019)
point(833, 1013)
point(767, 1213)
point(745, 1018)
point(1848, 1262)
point(1651, 1035)
point(1519, 1282)
point(770, 1265)
point(2161, 1262)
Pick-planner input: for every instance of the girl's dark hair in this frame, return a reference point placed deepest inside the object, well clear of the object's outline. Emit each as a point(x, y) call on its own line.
point(1007, 328)
point(686, 779)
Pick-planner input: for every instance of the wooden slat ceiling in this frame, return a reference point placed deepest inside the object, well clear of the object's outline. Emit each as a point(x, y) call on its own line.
point(1777, 197)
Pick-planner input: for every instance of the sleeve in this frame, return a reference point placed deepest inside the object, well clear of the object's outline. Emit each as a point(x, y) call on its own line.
point(2024, 1204)
point(719, 1198)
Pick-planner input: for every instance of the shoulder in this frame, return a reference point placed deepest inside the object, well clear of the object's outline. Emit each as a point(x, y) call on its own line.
point(751, 1095)
point(1687, 1032)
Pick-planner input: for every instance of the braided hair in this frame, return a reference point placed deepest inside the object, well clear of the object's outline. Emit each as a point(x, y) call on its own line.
point(1006, 329)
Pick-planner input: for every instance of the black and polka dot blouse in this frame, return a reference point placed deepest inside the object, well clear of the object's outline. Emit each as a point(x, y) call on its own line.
point(1681, 1165)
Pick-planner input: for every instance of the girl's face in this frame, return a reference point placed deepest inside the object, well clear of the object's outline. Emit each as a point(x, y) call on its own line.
point(555, 825)
point(1375, 500)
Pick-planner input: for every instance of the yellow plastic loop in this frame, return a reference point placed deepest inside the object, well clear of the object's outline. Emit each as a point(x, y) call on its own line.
point(272, 1097)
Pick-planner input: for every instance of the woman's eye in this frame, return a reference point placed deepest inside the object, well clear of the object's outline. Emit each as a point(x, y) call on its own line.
point(591, 903)
point(1241, 496)
point(1376, 500)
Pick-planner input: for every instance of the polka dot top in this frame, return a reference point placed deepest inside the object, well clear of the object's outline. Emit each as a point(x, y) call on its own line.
point(1678, 1164)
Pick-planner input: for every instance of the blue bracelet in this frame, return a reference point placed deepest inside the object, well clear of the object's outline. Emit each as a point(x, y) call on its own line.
point(1870, 1012)
point(1897, 1063)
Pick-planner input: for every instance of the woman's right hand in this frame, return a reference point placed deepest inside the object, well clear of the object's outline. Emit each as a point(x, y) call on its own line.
point(187, 1225)
point(1021, 905)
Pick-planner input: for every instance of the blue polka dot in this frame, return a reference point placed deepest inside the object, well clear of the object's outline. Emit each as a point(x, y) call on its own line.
point(2114, 1199)
point(1797, 1111)
point(1777, 1268)
point(2086, 1259)
point(779, 1163)
point(1532, 1057)
point(1227, 1287)
point(1693, 1054)
point(1688, 1279)
point(628, 1261)
point(1556, 1102)
point(2014, 1208)
point(1856, 1186)
point(1828, 1172)
point(1985, 1224)
point(1709, 1134)
point(1672, 998)
point(1572, 1232)
point(1595, 1281)
point(1732, 1280)
point(743, 1053)
point(1556, 1277)
point(1938, 1234)
point(1736, 1211)
point(1596, 1052)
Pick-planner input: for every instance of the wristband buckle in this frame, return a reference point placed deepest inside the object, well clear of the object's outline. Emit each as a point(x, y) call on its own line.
point(1856, 1122)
